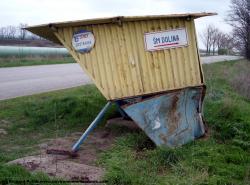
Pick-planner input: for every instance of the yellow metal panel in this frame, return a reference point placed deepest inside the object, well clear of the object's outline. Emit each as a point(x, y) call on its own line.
point(138, 43)
point(130, 43)
point(46, 31)
point(198, 53)
point(146, 57)
point(121, 67)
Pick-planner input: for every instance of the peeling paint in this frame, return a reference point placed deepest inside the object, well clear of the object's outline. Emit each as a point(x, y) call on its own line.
point(172, 118)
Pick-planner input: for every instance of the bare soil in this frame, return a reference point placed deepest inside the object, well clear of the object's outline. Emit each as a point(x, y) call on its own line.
point(82, 167)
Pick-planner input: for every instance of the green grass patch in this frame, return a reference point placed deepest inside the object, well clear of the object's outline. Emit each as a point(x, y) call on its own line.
point(31, 61)
point(224, 158)
point(200, 162)
point(227, 109)
point(32, 120)
point(14, 174)
point(47, 115)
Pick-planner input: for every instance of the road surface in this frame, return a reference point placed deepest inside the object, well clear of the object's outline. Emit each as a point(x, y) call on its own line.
point(22, 81)
point(213, 59)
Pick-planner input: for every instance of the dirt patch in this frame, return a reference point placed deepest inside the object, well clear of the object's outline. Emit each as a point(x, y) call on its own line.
point(173, 124)
point(61, 168)
point(82, 167)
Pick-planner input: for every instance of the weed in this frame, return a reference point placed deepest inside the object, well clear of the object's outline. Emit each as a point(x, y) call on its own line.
point(14, 174)
point(199, 162)
point(30, 61)
point(241, 79)
point(222, 159)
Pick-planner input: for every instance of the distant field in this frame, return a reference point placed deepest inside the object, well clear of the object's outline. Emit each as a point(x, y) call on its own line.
point(222, 158)
point(29, 61)
point(13, 56)
point(27, 42)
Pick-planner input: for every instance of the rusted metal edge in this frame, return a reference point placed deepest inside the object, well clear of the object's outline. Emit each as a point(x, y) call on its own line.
point(157, 93)
point(148, 97)
point(171, 119)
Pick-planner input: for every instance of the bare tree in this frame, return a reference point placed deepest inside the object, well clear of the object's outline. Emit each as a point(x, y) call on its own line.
point(2, 32)
point(17, 32)
point(11, 31)
point(214, 38)
point(220, 37)
point(226, 42)
point(239, 18)
point(230, 43)
point(208, 36)
point(22, 32)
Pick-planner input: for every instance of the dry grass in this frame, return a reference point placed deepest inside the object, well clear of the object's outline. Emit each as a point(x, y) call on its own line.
point(14, 61)
point(241, 80)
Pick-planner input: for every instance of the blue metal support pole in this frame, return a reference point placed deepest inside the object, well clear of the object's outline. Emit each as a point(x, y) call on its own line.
point(91, 127)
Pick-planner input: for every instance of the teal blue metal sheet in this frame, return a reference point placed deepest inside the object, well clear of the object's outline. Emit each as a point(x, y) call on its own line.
point(170, 119)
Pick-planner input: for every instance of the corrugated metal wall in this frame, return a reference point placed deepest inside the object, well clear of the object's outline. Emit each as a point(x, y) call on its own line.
point(120, 66)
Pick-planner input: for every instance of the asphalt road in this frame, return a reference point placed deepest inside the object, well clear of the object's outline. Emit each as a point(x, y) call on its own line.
point(22, 81)
point(213, 59)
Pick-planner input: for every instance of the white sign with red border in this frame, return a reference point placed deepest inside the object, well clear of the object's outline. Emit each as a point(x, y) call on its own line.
point(165, 39)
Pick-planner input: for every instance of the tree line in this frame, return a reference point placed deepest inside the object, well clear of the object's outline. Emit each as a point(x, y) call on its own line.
point(238, 40)
point(216, 41)
point(239, 18)
point(17, 33)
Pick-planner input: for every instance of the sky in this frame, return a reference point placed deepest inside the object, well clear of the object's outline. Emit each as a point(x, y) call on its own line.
point(33, 12)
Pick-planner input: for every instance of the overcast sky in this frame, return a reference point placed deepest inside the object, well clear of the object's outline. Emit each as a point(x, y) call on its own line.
point(32, 12)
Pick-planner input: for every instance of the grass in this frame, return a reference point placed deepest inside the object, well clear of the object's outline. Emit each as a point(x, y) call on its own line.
point(17, 175)
point(31, 61)
point(47, 115)
point(223, 158)
point(240, 81)
point(200, 162)
point(33, 120)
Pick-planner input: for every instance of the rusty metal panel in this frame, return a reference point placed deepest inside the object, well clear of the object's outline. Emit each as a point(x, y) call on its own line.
point(121, 67)
point(170, 119)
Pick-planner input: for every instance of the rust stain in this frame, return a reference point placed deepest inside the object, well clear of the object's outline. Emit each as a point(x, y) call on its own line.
point(196, 97)
point(163, 138)
point(172, 116)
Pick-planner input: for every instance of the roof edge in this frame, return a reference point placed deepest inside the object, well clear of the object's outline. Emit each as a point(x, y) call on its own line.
point(46, 30)
point(124, 18)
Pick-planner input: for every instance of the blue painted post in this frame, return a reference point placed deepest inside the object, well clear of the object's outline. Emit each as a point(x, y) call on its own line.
point(91, 127)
